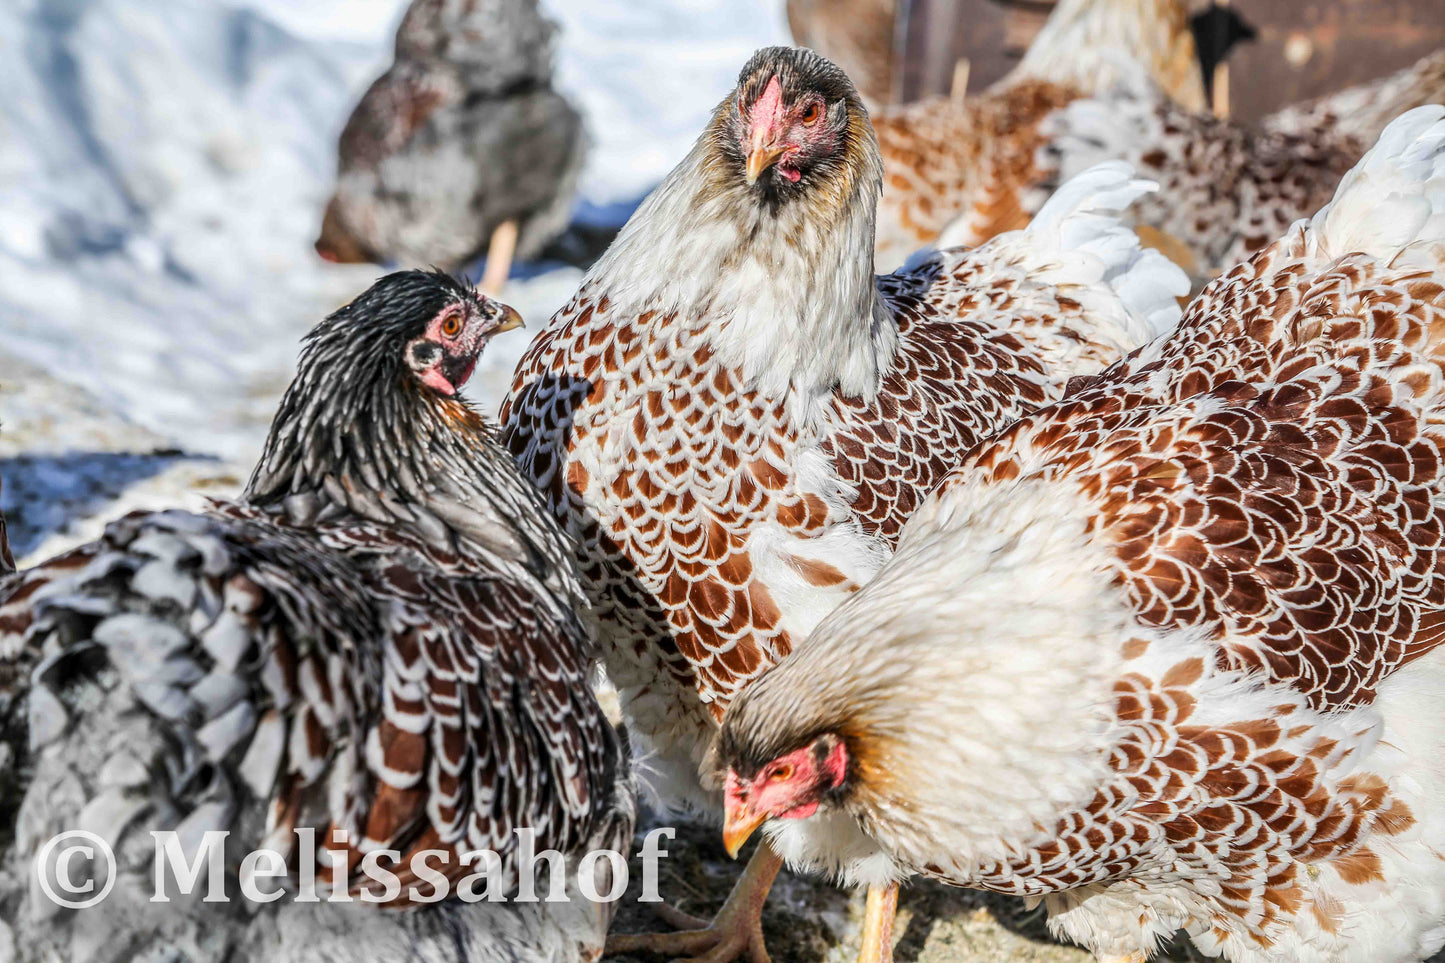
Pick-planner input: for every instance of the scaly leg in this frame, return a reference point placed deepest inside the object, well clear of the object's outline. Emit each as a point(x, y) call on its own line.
point(735, 933)
point(499, 259)
point(878, 924)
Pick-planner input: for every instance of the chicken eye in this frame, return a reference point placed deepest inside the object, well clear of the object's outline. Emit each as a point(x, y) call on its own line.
point(812, 113)
point(783, 773)
point(452, 326)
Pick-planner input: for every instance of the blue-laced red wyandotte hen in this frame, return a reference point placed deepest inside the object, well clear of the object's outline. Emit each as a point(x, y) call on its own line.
point(1166, 654)
point(380, 643)
point(734, 416)
point(462, 146)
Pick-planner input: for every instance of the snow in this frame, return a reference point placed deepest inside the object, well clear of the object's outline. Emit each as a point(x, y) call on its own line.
point(647, 73)
point(164, 165)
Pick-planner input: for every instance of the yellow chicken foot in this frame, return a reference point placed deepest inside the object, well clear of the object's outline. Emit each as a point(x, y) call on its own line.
point(878, 918)
point(736, 933)
point(499, 259)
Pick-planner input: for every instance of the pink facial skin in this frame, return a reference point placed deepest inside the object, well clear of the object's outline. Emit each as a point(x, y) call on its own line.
point(457, 336)
point(791, 129)
point(791, 786)
point(435, 379)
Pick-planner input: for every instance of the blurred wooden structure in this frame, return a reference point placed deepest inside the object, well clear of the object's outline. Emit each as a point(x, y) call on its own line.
point(1305, 48)
point(990, 34)
point(1299, 48)
point(861, 36)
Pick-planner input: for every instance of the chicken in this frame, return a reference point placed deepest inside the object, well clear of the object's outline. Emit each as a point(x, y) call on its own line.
point(1227, 190)
point(734, 417)
point(975, 162)
point(379, 643)
point(7, 558)
point(461, 143)
point(1166, 653)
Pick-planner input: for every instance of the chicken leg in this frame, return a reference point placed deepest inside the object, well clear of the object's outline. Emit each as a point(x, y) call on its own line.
point(878, 917)
point(7, 560)
point(735, 933)
point(499, 258)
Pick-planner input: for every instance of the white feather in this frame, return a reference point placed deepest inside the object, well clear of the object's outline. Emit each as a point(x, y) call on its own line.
point(1080, 240)
point(1391, 205)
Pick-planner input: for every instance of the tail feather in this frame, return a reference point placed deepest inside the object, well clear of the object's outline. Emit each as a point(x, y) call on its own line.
point(1391, 205)
point(1082, 224)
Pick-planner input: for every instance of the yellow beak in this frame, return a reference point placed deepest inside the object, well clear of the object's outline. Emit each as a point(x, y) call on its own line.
point(760, 158)
point(738, 825)
point(508, 319)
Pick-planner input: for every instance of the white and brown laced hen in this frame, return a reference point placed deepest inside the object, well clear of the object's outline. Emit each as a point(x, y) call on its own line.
point(1229, 189)
point(461, 146)
point(378, 639)
point(734, 416)
point(1167, 653)
point(975, 164)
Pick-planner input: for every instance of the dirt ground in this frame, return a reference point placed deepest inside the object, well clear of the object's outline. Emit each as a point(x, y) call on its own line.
point(813, 922)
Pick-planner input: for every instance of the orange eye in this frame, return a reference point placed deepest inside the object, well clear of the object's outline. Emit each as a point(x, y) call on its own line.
point(452, 326)
point(783, 773)
point(812, 113)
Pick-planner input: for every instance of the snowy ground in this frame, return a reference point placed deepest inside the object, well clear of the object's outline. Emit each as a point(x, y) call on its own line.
point(164, 164)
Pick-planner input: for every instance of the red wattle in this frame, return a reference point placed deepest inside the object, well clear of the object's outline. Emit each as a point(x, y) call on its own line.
point(437, 380)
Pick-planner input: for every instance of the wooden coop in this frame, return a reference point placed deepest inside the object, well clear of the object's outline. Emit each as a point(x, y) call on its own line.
point(1275, 51)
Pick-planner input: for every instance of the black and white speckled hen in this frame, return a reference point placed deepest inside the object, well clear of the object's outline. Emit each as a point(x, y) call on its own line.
point(461, 143)
point(379, 639)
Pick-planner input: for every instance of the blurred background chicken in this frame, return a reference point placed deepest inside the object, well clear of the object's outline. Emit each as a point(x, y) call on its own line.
point(984, 162)
point(1167, 654)
point(1227, 189)
point(461, 147)
point(380, 642)
point(971, 162)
